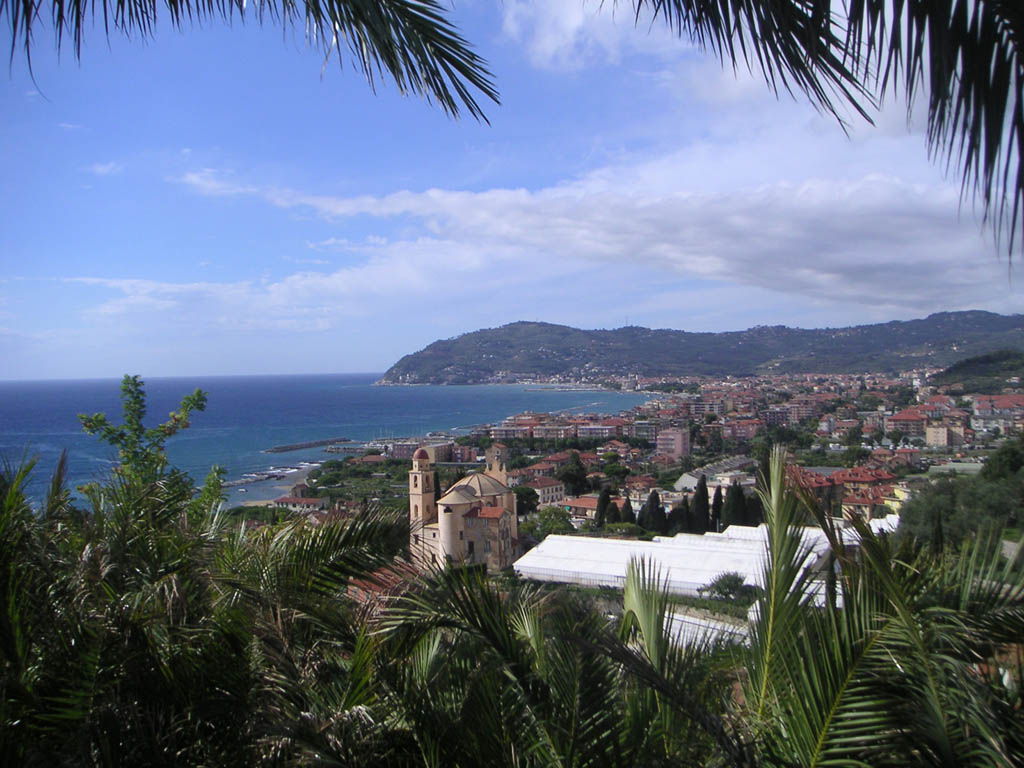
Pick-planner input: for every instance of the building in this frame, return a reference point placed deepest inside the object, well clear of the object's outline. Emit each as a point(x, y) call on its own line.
point(686, 562)
point(473, 523)
point(674, 442)
point(300, 504)
point(549, 490)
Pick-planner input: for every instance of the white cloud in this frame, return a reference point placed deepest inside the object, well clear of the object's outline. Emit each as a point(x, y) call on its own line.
point(572, 34)
point(69, 126)
point(105, 169)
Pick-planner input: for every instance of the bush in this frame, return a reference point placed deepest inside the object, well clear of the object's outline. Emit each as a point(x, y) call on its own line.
point(624, 529)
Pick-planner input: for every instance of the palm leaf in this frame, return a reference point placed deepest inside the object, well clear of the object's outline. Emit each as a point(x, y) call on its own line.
point(410, 41)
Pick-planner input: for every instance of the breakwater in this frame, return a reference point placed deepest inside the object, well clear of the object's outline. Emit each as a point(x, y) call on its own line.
point(308, 444)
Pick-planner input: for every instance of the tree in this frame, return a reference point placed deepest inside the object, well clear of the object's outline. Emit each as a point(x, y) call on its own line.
point(896, 436)
point(854, 436)
point(127, 621)
point(626, 513)
point(735, 507)
point(700, 507)
point(755, 510)
point(656, 520)
point(716, 510)
point(731, 586)
point(526, 500)
point(601, 513)
point(574, 475)
point(141, 450)
point(678, 518)
point(548, 521)
point(612, 515)
point(1005, 462)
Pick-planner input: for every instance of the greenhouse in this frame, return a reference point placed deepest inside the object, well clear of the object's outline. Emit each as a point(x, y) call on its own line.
point(686, 562)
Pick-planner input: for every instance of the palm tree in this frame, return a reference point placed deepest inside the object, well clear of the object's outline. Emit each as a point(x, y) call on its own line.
point(890, 655)
point(149, 629)
point(409, 41)
point(521, 676)
point(963, 55)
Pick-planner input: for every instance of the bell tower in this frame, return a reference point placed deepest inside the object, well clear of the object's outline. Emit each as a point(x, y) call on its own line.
point(422, 502)
point(497, 462)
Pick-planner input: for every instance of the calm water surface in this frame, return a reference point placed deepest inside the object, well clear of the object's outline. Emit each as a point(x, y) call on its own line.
point(245, 415)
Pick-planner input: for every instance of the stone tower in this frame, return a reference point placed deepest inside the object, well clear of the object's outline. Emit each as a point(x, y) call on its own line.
point(422, 502)
point(497, 462)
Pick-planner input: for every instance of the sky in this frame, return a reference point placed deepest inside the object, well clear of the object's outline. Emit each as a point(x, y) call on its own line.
point(218, 201)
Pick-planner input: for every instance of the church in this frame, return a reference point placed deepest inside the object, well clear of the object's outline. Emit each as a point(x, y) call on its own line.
point(473, 523)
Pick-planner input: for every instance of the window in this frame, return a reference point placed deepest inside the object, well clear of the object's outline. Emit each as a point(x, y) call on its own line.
point(487, 545)
point(460, 536)
point(415, 481)
point(471, 549)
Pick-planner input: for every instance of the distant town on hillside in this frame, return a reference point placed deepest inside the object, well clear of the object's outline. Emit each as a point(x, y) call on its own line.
point(544, 352)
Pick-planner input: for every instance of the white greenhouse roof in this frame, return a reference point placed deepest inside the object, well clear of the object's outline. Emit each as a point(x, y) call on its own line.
point(686, 561)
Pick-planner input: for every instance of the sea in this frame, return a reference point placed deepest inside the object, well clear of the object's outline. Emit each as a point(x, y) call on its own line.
point(246, 415)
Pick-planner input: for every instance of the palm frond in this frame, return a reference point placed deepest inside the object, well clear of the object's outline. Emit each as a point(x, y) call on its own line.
point(412, 42)
point(964, 54)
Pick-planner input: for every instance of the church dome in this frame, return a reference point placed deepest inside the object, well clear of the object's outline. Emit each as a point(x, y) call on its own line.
point(420, 455)
point(482, 485)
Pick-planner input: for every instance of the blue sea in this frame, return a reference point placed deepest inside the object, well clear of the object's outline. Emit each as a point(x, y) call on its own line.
point(245, 415)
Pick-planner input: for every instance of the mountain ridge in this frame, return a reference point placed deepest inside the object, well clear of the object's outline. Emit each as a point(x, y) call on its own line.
point(540, 349)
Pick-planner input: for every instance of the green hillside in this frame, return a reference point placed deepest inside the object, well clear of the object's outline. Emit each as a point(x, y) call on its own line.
point(988, 374)
point(549, 350)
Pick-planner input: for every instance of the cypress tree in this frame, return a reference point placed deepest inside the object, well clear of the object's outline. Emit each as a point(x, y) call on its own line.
point(656, 513)
point(612, 513)
point(626, 513)
point(755, 512)
point(678, 521)
point(642, 518)
point(700, 509)
point(734, 511)
point(716, 510)
point(601, 514)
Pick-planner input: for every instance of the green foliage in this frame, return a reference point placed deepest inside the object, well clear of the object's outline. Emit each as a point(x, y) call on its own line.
point(952, 509)
point(604, 501)
point(656, 518)
point(545, 349)
point(574, 475)
point(148, 630)
point(141, 450)
point(700, 508)
point(854, 436)
point(626, 513)
point(526, 500)
point(548, 521)
point(732, 587)
point(734, 509)
point(624, 529)
point(1005, 462)
point(678, 517)
point(985, 374)
point(151, 629)
point(716, 510)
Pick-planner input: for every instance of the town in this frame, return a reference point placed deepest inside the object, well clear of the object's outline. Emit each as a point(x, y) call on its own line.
point(685, 461)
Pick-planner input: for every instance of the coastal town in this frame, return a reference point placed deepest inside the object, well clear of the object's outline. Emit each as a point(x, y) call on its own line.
point(862, 444)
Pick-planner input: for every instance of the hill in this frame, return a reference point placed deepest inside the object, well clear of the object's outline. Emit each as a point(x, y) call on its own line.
point(988, 374)
point(544, 349)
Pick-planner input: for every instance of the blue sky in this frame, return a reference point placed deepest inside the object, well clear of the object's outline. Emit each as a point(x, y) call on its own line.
point(214, 201)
